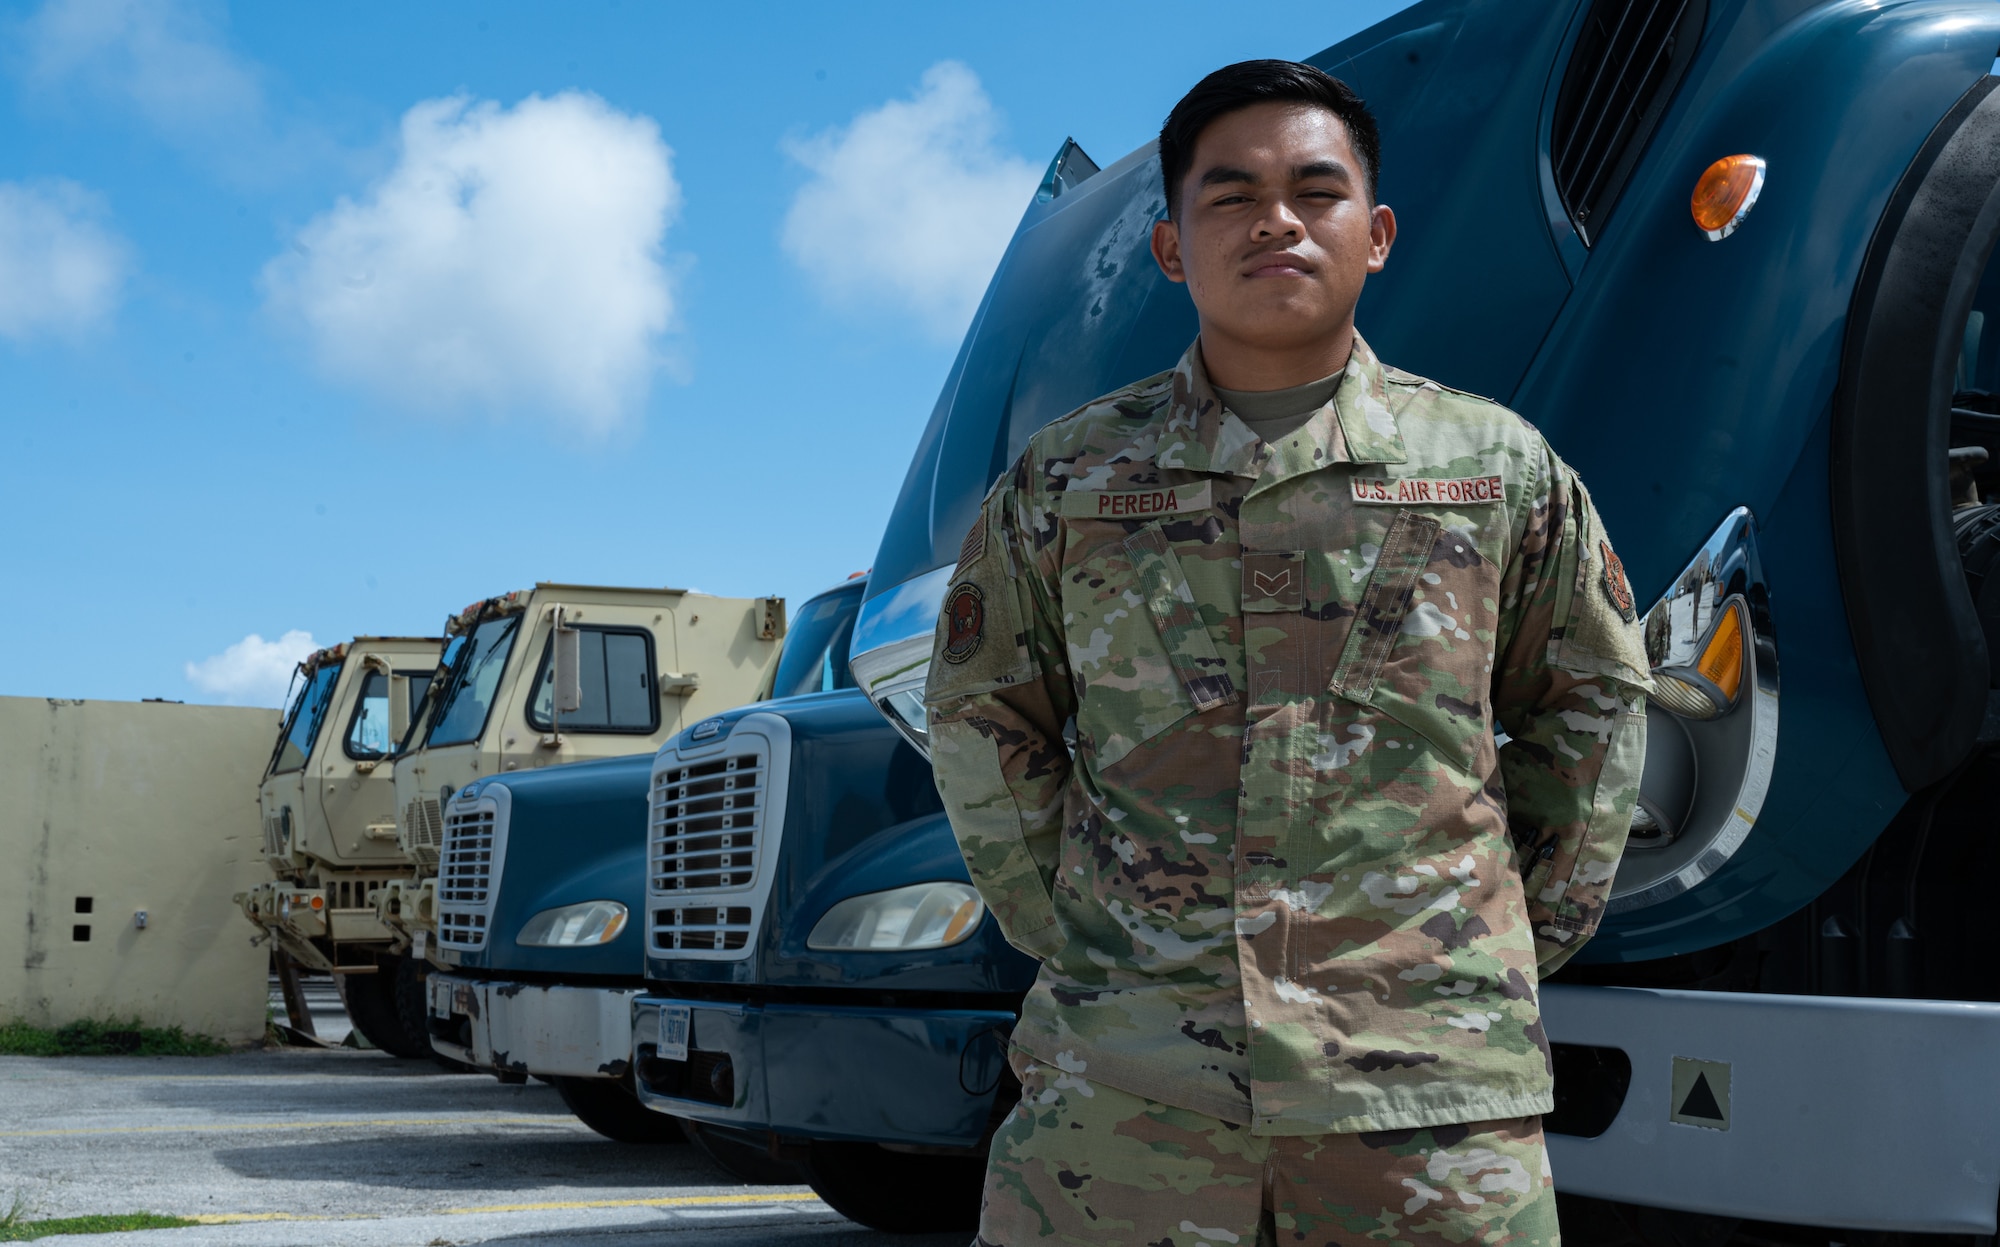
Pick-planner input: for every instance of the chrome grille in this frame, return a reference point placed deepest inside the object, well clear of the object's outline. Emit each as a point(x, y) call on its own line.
point(712, 832)
point(468, 880)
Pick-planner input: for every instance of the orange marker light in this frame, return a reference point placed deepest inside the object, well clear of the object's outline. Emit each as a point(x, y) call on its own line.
point(1722, 658)
point(319, 902)
point(1724, 195)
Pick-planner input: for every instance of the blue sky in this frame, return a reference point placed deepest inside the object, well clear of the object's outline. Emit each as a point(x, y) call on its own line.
point(319, 320)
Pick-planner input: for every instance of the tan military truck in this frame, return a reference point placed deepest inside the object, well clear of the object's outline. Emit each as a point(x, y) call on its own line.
point(329, 815)
point(557, 673)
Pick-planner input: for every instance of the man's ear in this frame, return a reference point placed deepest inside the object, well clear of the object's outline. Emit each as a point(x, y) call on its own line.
point(1381, 236)
point(1167, 250)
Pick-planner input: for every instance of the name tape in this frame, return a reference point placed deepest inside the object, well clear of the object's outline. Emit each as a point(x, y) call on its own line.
point(1404, 490)
point(1120, 504)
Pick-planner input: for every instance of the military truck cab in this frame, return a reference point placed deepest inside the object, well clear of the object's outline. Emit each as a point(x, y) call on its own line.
point(328, 807)
point(824, 986)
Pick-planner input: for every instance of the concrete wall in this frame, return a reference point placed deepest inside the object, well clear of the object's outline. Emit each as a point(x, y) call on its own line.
point(133, 805)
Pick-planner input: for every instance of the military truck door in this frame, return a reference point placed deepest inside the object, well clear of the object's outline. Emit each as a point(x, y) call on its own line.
point(353, 780)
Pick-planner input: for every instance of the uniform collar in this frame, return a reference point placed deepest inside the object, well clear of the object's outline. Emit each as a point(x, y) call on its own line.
point(1357, 425)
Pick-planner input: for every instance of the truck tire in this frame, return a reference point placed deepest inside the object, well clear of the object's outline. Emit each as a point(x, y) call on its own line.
point(1978, 532)
point(608, 1106)
point(741, 1155)
point(897, 1192)
point(413, 1009)
point(370, 1000)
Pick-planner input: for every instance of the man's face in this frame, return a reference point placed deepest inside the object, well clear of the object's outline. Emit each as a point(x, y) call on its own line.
point(1275, 232)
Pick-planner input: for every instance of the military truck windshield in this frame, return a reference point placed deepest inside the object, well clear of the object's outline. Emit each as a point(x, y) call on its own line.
point(474, 677)
point(302, 720)
point(815, 657)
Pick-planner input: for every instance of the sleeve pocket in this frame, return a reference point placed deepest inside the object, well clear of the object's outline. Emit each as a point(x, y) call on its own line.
point(987, 823)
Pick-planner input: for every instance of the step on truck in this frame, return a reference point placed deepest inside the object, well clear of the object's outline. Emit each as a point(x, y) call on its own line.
point(545, 987)
point(328, 809)
point(1734, 259)
point(824, 989)
point(532, 679)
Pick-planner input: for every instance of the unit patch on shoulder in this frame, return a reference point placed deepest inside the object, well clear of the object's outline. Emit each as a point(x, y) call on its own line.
point(1407, 490)
point(1616, 587)
point(965, 622)
point(1132, 504)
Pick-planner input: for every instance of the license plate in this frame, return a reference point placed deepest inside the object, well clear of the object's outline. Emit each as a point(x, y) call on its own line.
point(675, 1023)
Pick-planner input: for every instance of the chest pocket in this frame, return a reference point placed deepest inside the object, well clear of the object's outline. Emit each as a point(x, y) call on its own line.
point(1159, 664)
point(1421, 646)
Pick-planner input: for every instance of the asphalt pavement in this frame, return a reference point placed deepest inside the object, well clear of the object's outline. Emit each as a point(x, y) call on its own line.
point(300, 1146)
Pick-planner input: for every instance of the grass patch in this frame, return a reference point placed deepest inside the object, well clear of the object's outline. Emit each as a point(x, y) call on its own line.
point(103, 1039)
point(15, 1230)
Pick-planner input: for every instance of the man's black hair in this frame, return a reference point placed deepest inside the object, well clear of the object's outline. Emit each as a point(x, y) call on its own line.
point(1246, 83)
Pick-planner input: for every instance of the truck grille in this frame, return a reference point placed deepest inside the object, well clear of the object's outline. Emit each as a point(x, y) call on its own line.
point(274, 837)
point(422, 832)
point(468, 880)
point(712, 835)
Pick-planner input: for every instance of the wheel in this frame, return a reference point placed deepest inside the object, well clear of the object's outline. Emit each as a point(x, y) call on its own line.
point(740, 1155)
point(609, 1107)
point(370, 1001)
point(413, 1009)
point(896, 1192)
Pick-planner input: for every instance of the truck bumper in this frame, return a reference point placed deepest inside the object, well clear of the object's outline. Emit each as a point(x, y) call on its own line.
point(915, 1076)
point(1857, 1113)
point(527, 1028)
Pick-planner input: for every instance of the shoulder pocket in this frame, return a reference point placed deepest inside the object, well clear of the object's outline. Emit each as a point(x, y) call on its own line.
point(980, 644)
point(1597, 628)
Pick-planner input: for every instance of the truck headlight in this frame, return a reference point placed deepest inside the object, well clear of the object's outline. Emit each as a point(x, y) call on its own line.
point(923, 915)
point(574, 926)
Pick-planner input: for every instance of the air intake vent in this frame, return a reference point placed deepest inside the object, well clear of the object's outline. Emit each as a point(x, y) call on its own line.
point(422, 833)
point(716, 819)
point(468, 881)
point(1628, 59)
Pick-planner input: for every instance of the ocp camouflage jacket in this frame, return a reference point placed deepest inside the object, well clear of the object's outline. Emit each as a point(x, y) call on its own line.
point(1279, 872)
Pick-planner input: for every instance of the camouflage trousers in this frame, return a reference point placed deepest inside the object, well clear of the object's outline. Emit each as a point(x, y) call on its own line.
point(1078, 1162)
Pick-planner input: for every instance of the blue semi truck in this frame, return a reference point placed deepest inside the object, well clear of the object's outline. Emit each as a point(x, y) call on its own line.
point(1787, 417)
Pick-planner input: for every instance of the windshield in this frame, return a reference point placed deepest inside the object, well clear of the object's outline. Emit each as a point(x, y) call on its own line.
point(303, 718)
point(474, 678)
point(815, 656)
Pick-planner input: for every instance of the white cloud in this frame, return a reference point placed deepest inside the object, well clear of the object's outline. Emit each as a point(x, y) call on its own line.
point(512, 260)
point(60, 269)
point(252, 672)
point(164, 60)
point(912, 204)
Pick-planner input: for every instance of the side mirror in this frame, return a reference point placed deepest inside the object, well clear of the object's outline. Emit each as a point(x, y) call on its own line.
point(567, 662)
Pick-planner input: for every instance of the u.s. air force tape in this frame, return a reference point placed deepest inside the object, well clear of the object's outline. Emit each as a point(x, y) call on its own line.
point(1416, 490)
point(1134, 504)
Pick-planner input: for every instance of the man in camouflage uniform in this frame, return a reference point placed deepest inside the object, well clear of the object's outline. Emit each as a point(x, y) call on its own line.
point(1291, 901)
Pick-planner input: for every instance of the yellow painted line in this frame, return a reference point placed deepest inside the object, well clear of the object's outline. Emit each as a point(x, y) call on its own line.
point(567, 1205)
point(670, 1201)
point(228, 1127)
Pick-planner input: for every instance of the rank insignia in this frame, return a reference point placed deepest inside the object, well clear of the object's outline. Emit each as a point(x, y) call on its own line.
point(964, 622)
point(1616, 587)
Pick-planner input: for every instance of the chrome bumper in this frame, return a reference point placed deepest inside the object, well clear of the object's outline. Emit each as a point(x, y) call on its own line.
point(575, 1032)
